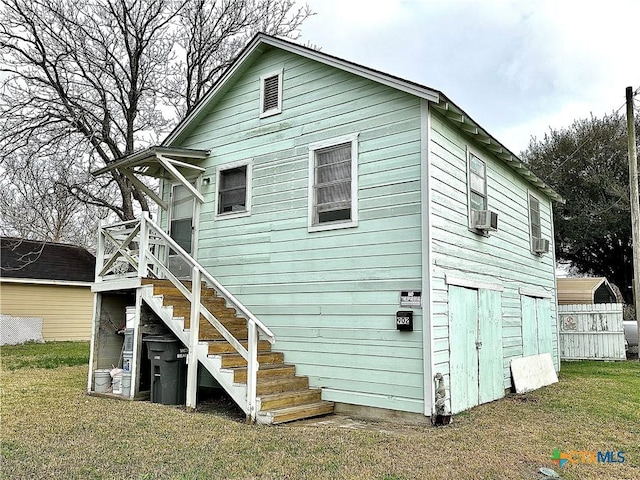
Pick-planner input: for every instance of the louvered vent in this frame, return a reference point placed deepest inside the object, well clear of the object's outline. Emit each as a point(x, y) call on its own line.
point(270, 99)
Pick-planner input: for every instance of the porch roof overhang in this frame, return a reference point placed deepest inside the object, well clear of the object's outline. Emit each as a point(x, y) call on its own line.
point(159, 162)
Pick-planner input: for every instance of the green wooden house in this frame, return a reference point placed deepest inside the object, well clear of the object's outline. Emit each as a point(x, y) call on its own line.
point(357, 234)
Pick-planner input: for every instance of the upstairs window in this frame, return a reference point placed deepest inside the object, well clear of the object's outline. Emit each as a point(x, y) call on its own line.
point(234, 187)
point(271, 94)
point(534, 219)
point(333, 184)
point(477, 175)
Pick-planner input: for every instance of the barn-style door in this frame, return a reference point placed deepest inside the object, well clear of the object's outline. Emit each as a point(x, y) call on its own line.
point(475, 339)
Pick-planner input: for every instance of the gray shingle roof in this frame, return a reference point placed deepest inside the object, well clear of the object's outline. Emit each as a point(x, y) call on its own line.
point(28, 259)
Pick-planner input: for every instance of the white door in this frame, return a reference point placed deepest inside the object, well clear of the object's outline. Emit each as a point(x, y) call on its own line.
point(182, 227)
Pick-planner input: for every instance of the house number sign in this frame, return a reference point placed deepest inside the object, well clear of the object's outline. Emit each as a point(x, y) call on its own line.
point(411, 299)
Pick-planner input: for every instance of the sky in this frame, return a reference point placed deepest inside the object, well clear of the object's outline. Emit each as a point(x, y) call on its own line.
point(516, 67)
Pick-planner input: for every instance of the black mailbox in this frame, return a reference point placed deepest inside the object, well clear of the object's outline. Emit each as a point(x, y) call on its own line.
point(404, 321)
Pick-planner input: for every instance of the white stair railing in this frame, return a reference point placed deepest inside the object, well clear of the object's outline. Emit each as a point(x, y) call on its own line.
point(140, 247)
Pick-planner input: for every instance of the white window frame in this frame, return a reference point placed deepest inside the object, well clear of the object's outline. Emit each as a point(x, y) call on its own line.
point(530, 195)
point(353, 139)
point(470, 209)
point(230, 166)
point(278, 109)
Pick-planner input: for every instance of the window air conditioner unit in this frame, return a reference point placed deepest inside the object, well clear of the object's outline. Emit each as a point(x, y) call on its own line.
point(485, 220)
point(540, 245)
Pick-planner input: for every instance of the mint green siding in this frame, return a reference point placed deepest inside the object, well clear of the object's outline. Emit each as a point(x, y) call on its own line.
point(504, 258)
point(330, 297)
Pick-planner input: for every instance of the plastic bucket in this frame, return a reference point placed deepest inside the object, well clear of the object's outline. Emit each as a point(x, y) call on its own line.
point(101, 380)
point(126, 384)
point(116, 380)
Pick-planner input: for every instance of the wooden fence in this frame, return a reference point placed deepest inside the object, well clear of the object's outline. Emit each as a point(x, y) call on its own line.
point(591, 332)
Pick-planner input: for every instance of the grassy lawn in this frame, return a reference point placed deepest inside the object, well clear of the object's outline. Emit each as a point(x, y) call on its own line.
point(52, 429)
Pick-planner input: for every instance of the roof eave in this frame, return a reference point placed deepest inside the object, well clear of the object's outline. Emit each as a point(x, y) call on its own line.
point(149, 154)
point(261, 40)
point(458, 116)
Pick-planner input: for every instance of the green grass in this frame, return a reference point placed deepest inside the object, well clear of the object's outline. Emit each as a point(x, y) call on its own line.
point(44, 355)
point(52, 429)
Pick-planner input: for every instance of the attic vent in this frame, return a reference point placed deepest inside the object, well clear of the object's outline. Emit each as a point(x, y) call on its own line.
point(271, 94)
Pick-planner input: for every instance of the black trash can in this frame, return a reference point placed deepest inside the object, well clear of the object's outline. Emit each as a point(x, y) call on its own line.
point(168, 369)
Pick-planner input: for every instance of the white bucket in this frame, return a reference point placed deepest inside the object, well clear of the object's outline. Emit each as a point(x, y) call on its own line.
point(126, 384)
point(116, 380)
point(101, 380)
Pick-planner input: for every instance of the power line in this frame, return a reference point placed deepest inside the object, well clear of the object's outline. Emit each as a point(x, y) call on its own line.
point(636, 92)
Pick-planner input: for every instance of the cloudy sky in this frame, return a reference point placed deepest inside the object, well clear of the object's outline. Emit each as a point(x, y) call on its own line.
point(516, 67)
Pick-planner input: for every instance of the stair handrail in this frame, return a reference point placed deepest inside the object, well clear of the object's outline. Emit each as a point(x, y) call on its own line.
point(194, 263)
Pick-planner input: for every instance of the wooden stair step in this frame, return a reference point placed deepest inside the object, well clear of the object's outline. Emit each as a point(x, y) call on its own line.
point(275, 370)
point(227, 321)
point(290, 414)
point(185, 311)
point(267, 386)
point(290, 399)
point(179, 299)
point(230, 360)
point(213, 334)
point(217, 347)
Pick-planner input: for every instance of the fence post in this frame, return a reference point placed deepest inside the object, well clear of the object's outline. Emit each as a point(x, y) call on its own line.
point(252, 370)
point(194, 333)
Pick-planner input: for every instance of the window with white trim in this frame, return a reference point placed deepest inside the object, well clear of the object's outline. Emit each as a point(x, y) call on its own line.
point(333, 184)
point(233, 184)
point(477, 174)
point(271, 94)
point(534, 219)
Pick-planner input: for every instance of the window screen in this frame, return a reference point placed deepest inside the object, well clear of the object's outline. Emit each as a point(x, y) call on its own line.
point(333, 184)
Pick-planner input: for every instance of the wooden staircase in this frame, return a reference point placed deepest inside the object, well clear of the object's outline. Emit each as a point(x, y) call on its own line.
point(282, 396)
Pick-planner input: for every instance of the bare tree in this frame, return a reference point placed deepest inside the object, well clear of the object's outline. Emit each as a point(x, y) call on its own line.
point(97, 79)
point(213, 32)
point(36, 203)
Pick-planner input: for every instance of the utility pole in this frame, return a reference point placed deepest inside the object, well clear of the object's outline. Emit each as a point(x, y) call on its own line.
point(635, 203)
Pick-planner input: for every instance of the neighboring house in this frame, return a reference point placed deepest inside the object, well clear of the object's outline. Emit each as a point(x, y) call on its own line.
point(51, 281)
point(585, 290)
point(377, 232)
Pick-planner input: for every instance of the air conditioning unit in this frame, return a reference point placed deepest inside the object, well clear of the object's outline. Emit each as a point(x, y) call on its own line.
point(485, 220)
point(540, 245)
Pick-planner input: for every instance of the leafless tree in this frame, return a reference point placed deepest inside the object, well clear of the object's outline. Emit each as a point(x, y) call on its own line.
point(103, 78)
point(37, 204)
